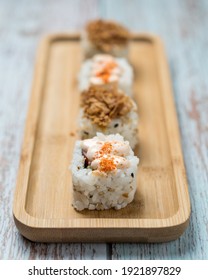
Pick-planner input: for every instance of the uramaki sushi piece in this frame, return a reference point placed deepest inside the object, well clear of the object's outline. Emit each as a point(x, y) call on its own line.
point(105, 36)
point(104, 171)
point(102, 69)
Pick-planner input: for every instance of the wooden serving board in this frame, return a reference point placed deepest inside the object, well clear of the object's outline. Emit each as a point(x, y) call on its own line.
point(42, 203)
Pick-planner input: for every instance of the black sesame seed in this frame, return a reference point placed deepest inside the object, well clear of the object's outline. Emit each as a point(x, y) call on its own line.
point(132, 175)
point(85, 132)
point(116, 125)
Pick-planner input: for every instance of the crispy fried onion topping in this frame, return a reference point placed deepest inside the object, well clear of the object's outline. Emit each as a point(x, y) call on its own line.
point(106, 34)
point(101, 104)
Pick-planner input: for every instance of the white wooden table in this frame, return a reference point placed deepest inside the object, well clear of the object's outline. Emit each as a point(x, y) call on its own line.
point(182, 25)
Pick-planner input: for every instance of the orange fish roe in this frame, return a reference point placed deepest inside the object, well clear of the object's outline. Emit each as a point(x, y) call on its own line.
point(106, 148)
point(107, 164)
point(104, 74)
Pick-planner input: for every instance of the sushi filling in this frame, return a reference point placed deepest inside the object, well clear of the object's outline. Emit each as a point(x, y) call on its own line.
point(105, 156)
point(104, 70)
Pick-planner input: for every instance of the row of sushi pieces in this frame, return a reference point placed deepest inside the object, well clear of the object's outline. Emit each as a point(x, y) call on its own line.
point(104, 166)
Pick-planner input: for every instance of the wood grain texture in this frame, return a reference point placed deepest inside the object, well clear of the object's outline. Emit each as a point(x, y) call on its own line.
point(183, 27)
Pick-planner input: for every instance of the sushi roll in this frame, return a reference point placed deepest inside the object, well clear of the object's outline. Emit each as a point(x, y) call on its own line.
point(102, 36)
point(103, 69)
point(107, 110)
point(104, 171)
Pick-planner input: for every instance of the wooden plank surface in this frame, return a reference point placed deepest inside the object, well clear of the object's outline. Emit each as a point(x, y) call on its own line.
point(183, 27)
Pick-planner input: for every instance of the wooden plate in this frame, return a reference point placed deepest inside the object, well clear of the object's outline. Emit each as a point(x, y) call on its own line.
point(42, 203)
